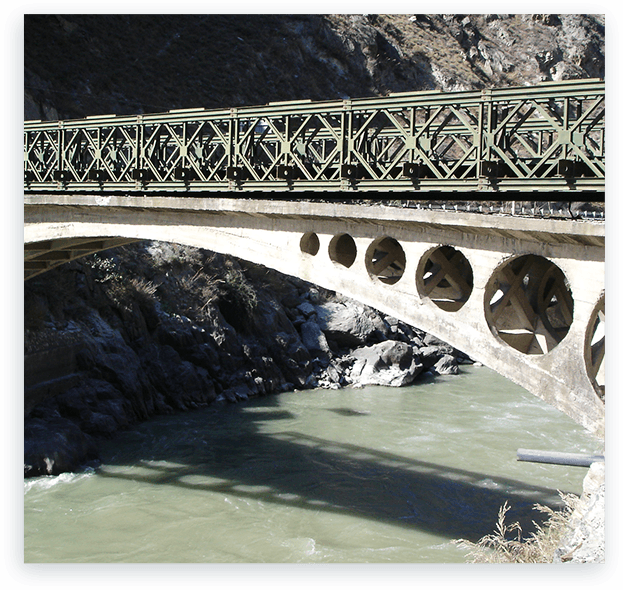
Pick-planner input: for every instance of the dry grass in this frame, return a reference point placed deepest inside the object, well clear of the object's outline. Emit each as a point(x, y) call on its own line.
point(206, 286)
point(506, 544)
point(143, 287)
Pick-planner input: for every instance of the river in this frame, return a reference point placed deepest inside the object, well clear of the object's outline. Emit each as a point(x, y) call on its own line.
point(373, 475)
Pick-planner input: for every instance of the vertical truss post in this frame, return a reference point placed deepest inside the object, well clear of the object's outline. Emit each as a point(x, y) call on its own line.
point(346, 132)
point(410, 141)
point(565, 144)
point(60, 152)
point(487, 125)
point(139, 149)
point(232, 138)
point(486, 167)
point(345, 142)
point(285, 146)
point(232, 143)
point(184, 146)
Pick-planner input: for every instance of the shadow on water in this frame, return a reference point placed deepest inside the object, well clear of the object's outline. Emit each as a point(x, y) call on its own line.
point(225, 452)
point(348, 412)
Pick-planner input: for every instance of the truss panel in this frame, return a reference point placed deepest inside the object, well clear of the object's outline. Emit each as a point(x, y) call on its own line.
point(550, 137)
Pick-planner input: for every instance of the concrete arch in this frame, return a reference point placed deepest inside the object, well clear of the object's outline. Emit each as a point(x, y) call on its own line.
point(272, 233)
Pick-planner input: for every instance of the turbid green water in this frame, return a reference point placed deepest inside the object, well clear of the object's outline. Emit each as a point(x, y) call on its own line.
point(377, 475)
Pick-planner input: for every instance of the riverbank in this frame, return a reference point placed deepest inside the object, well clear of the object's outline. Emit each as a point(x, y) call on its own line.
point(155, 328)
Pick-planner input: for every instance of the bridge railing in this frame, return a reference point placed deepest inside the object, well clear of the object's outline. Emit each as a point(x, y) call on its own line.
point(549, 137)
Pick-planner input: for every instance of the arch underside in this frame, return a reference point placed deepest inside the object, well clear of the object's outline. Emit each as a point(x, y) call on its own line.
point(438, 281)
point(39, 257)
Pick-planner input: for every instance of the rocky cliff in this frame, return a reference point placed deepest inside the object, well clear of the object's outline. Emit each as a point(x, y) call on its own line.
point(80, 65)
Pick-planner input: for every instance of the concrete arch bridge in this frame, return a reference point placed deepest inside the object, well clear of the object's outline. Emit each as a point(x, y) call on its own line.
point(526, 297)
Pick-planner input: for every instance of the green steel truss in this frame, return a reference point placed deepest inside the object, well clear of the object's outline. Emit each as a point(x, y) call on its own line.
point(549, 137)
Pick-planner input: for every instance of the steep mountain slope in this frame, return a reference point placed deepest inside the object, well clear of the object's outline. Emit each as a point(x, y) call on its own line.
point(80, 65)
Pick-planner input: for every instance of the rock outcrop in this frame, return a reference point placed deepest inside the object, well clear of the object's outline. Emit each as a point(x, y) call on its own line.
point(585, 539)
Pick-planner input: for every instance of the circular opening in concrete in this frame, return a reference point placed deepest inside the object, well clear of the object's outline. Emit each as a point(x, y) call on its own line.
point(528, 304)
point(343, 250)
point(445, 277)
point(385, 260)
point(310, 244)
point(595, 348)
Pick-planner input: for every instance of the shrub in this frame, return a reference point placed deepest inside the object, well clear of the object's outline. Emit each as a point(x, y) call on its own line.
point(237, 299)
point(206, 287)
point(105, 268)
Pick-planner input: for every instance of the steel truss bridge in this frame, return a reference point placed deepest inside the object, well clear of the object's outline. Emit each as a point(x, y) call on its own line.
point(493, 144)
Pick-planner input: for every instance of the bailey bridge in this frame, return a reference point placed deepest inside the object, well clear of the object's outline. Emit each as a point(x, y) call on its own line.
point(525, 296)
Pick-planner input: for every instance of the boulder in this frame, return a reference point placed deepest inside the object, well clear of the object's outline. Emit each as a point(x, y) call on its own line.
point(388, 363)
point(350, 325)
point(292, 357)
point(307, 309)
point(398, 330)
point(430, 340)
point(314, 339)
point(446, 365)
point(429, 355)
point(55, 445)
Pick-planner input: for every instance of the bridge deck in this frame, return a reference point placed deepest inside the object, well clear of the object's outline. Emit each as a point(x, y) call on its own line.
point(559, 231)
